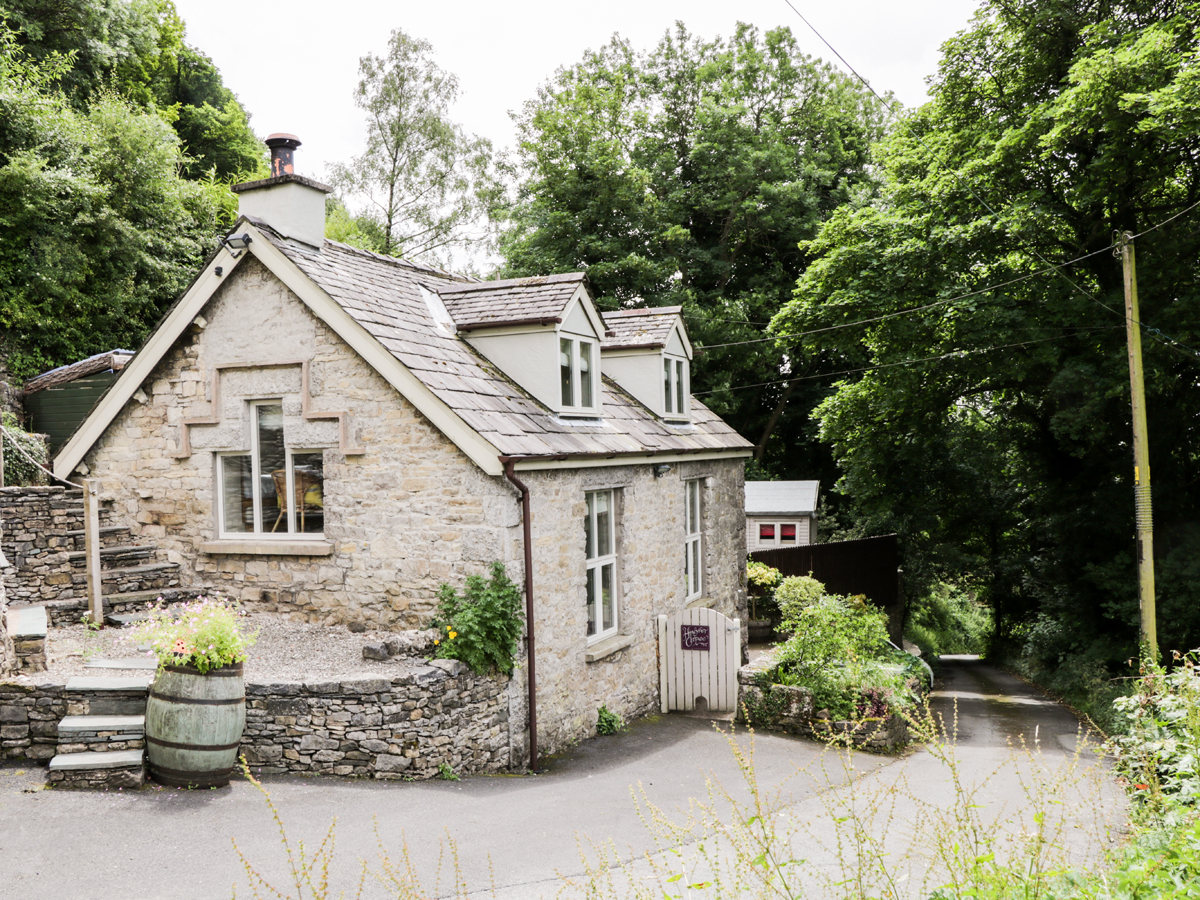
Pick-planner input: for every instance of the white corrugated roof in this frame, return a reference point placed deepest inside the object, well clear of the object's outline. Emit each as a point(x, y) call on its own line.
point(781, 498)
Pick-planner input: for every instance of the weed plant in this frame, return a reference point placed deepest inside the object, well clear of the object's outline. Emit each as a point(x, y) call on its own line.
point(481, 625)
point(607, 721)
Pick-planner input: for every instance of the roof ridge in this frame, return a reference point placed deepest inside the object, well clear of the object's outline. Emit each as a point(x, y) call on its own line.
point(643, 311)
point(399, 261)
point(560, 278)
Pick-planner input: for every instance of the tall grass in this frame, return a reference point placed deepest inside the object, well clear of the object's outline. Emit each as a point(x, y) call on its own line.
point(865, 831)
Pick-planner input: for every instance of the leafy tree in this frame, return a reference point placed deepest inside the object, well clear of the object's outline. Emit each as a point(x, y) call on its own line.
point(425, 187)
point(1006, 459)
point(137, 50)
point(689, 175)
point(98, 230)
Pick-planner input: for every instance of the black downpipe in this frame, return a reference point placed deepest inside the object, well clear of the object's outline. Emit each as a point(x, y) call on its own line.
point(511, 475)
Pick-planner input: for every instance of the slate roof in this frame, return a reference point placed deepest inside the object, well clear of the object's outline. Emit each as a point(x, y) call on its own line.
point(638, 328)
point(781, 498)
point(383, 295)
point(511, 301)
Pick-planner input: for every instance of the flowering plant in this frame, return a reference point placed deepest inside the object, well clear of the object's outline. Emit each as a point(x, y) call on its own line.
point(204, 634)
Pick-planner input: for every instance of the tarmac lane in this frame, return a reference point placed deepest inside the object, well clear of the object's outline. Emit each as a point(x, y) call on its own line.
point(515, 837)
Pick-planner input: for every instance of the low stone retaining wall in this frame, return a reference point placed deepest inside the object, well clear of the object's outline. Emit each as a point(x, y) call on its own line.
point(789, 709)
point(407, 727)
point(29, 717)
point(403, 728)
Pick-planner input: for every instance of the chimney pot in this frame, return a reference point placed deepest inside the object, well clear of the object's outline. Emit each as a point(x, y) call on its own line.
point(283, 153)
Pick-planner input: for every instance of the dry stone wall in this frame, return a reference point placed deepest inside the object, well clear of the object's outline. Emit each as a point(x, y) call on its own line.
point(410, 513)
point(35, 521)
point(29, 716)
point(401, 728)
point(406, 727)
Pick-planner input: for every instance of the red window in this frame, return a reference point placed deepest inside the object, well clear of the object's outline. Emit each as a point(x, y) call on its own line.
point(766, 534)
point(787, 534)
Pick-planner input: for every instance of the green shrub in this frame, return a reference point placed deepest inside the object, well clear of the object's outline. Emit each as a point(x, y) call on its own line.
point(762, 581)
point(480, 627)
point(795, 593)
point(839, 650)
point(17, 469)
point(949, 620)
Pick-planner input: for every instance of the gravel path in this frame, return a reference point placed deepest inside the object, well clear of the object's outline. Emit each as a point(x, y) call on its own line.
point(284, 651)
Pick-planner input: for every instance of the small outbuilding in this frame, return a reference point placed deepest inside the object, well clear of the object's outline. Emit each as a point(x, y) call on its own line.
point(781, 514)
point(58, 400)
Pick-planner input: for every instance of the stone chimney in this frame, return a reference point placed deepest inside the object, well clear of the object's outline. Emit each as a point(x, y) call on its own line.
point(292, 205)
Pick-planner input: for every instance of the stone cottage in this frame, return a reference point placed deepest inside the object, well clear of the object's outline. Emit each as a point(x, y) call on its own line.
point(322, 431)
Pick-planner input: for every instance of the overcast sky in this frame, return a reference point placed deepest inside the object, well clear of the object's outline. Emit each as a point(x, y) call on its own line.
point(294, 64)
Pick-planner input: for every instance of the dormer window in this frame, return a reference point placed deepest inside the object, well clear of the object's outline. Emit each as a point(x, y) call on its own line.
point(576, 374)
point(674, 388)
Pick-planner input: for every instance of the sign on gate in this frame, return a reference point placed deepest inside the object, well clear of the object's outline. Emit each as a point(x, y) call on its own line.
point(700, 651)
point(693, 637)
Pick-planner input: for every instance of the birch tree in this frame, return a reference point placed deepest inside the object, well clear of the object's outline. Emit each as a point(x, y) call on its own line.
point(422, 187)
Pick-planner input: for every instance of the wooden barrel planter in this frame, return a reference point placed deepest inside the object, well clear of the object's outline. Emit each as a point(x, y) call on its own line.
point(194, 724)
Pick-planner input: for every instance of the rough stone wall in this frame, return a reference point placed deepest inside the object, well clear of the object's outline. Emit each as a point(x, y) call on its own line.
point(7, 651)
point(409, 514)
point(650, 541)
point(35, 522)
point(29, 716)
point(400, 728)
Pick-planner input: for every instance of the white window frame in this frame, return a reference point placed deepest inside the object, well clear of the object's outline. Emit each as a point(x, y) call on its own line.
point(579, 402)
point(676, 396)
point(777, 540)
point(693, 529)
point(260, 532)
point(597, 563)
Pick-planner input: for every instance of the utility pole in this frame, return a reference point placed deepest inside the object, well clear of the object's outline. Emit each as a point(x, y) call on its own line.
point(1141, 453)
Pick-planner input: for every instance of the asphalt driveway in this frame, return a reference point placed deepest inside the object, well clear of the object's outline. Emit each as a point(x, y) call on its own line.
point(518, 834)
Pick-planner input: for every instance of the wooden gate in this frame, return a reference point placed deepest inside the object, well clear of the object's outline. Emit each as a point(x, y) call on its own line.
point(699, 652)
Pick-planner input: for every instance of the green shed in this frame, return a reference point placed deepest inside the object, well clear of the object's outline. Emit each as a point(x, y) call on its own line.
point(58, 400)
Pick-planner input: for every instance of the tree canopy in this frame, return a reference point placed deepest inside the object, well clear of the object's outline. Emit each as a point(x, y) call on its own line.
point(689, 175)
point(137, 51)
point(1006, 460)
point(98, 230)
point(422, 187)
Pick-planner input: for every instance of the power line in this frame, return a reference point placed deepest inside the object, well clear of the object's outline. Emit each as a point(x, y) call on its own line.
point(955, 354)
point(915, 309)
point(1166, 340)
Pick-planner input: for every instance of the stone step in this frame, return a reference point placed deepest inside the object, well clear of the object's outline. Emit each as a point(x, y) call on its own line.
point(121, 556)
point(122, 662)
point(108, 695)
point(123, 724)
point(91, 684)
point(27, 621)
point(127, 579)
point(27, 628)
point(110, 536)
point(101, 734)
point(115, 557)
point(68, 612)
point(98, 770)
point(96, 759)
